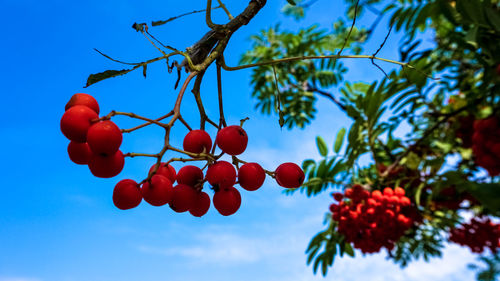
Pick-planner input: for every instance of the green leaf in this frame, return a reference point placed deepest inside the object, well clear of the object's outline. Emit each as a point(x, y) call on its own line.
point(472, 10)
point(307, 163)
point(322, 147)
point(291, 2)
point(339, 140)
point(493, 18)
point(94, 78)
point(348, 249)
point(471, 36)
point(412, 161)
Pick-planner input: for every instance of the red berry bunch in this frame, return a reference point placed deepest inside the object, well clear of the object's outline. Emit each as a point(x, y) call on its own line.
point(372, 220)
point(94, 142)
point(486, 144)
point(478, 234)
point(187, 195)
point(450, 198)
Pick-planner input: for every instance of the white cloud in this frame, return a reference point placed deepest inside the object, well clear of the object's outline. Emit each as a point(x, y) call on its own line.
point(277, 250)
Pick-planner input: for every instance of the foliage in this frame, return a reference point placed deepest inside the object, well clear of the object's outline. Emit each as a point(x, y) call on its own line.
point(462, 62)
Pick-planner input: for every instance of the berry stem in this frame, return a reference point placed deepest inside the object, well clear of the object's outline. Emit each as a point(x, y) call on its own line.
point(222, 120)
point(133, 154)
point(147, 123)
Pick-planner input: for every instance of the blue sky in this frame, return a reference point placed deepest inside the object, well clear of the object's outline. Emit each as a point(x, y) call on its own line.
point(58, 222)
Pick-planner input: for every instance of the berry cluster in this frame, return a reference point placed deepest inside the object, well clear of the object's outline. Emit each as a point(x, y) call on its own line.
point(450, 198)
point(96, 141)
point(372, 220)
point(187, 195)
point(486, 144)
point(478, 234)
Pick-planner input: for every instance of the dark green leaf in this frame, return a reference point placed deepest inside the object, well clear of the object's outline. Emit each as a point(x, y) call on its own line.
point(348, 249)
point(322, 147)
point(94, 78)
point(339, 140)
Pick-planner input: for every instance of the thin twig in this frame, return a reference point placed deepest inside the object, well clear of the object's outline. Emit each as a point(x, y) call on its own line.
point(133, 154)
point(325, 94)
point(147, 123)
point(185, 123)
point(161, 22)
point(225, 10)
point(133, 115)
point(290, 59)
point(222, 120)
point(350, 30)
point(278, 100)
point(380, 48)
point(208, 16)
point(115, 60)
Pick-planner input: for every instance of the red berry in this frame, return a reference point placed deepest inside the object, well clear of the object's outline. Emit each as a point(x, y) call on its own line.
point(348, 192)
point(190, 175)
point(491, 123)
point(495, 149)
point(76, 121)
point(221, 174)
point(394, 200)
point(338, 196)
point(289, 175)
point(227, 201)
point(232, 140)
point(251, 176)
point(197, 141)
point(388, 191)
point(480, 125)
point(127, 194)
point(377, 195)
point(104, 137)
point(334, 208)
point(371, 202)
point(79, 153)
point(488, 160)
point(158, 191)
point(398, 191)
point(405, 201)
point(106, 166)
point(183, 198)
point(168, 172)
point(83, 99)
point(201, 204)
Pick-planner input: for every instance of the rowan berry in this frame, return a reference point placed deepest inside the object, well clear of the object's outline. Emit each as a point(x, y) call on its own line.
point(227, 201)
point(251, 176)
point(106, 166)
point(158, 191)
point(190, 175)
point(104, 137)
point(232, 140)
point(79, 152)
point(127, 194)
point(197, 141)
point(83, 99)
point(76, 121)
point(289, 175)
